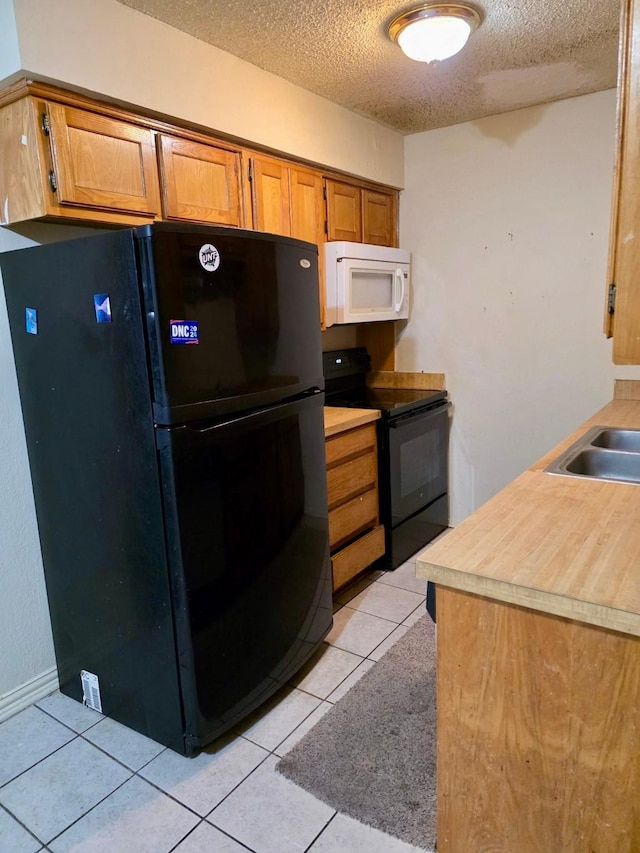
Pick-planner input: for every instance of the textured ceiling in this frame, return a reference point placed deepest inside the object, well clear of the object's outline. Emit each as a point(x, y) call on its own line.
point(525, 52)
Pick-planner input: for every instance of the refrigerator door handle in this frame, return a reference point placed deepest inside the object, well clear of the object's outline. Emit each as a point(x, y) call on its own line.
point(252, 417)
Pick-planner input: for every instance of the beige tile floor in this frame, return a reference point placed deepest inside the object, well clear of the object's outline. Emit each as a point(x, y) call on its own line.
point(72, 781)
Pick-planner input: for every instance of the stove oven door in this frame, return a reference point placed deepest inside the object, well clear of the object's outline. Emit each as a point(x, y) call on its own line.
point(418, 446)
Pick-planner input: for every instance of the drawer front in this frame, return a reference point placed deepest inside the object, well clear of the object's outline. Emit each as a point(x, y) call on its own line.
point(347, 520)
point(352, 443)
point(353, 559)
point(351, 478)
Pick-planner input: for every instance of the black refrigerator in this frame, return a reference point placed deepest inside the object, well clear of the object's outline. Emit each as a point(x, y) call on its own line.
point(171, 386)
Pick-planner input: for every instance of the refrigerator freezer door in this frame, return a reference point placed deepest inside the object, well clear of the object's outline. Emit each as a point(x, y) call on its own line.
point(246, 511)
point(233, 318)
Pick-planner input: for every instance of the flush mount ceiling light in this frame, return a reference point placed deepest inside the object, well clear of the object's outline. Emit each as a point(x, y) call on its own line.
point(434, 31)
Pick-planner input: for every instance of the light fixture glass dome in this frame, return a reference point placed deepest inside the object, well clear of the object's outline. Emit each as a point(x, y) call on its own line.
point(434, 31)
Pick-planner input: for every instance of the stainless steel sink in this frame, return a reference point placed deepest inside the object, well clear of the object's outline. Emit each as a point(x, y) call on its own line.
point(602, 453)
point(618, 439)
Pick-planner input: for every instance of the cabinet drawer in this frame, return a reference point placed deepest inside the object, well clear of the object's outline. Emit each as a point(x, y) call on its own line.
point(353, 559)
point(351, 478)
point(351, 443)
point(347, 520)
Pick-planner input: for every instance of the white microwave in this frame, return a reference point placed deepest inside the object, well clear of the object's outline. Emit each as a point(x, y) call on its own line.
point(365, 283)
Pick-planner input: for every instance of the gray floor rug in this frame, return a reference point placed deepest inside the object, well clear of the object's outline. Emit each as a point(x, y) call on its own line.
point(373, 755)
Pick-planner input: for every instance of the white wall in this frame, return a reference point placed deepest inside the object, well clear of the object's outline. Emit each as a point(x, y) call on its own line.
point(508, 219)
point(105, 47)
point(9, 50)
point(24, 623)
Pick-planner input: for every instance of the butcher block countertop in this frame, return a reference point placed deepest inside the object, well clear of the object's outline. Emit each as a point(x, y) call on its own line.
point(568, 546)
point(338, 420)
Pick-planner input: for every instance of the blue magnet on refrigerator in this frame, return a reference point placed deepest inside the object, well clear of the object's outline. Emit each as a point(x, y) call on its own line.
point(102, 305)
point(31, 320)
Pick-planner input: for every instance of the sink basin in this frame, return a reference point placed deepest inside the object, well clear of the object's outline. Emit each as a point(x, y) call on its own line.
point(605, 465)
point(618, 439)
point(602, 453)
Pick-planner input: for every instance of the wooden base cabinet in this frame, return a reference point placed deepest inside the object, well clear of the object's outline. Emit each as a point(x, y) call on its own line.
point(355, 558)
point(356, 538)
point(538, 731)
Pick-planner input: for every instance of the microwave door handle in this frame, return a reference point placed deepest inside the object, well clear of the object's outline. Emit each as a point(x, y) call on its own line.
point(399, 277)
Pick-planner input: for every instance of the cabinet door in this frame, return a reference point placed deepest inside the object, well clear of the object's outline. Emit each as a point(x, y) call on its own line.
point(199, 182)
point(378, 218)
point(100, 162)
point(624, 247)
point(270, 196)
point(307, 209)
point(307, 218)
point(22, 185)
point(344, 219)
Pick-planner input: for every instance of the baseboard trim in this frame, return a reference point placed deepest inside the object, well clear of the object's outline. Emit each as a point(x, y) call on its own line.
point(28, 693)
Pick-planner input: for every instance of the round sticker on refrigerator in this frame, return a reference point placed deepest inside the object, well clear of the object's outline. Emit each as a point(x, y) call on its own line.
point(209, 257)
point(305, 264)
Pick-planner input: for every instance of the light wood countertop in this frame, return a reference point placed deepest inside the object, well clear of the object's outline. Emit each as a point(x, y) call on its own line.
point(568, 546)
point(337, 420)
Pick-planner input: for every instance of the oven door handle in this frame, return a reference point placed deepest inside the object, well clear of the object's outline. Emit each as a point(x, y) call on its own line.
point(416, 418)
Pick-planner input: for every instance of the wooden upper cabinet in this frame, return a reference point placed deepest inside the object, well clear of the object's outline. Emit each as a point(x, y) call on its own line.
point(67, 157)
point(307, 218)
point(623, 323)
point(361, 215)
point(344, 213)
point(100, 162)
point(287, 199)
point(270, 195)
point(379, 218)
point(22, 176)
point(199, 182)
point(306, 204)
point(62, 162)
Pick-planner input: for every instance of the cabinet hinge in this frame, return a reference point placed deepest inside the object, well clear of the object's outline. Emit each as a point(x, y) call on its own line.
point(250, 171)
point(52, 181)
point(45, 124)
point(611, 299)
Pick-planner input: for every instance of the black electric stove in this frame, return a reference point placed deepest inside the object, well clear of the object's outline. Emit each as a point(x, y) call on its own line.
point(413, 447)
point(345, 385)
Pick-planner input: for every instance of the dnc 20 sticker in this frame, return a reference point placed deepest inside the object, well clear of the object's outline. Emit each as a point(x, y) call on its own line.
point(184, 331)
